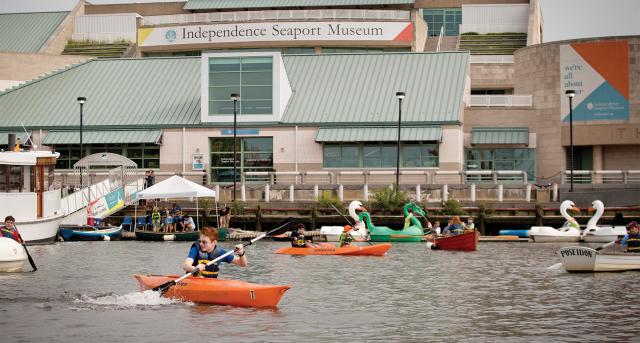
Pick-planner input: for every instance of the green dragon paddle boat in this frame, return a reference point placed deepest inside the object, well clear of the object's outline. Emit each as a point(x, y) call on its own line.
point(412, 233)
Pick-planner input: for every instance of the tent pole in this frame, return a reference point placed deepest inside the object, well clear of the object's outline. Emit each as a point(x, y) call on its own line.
point(217, 215)
point(197, 215)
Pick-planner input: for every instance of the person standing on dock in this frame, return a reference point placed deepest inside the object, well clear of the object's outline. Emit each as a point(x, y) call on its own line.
point(632, 240)
point(206, 249)
point(9, 229)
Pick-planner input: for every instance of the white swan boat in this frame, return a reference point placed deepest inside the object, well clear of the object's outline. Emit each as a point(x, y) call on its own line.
point(12, 255)
point(359, 232)
point(28, 196)
point(584, 259)
point(601, 234)
point(544, 234)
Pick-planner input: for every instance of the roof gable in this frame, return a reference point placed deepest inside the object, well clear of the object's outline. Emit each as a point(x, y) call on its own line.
point(27, 32)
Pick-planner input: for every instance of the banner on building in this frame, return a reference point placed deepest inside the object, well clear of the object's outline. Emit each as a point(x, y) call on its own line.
point(276, 31)
point(107, 205)
point(197, 162)
point(599, 74)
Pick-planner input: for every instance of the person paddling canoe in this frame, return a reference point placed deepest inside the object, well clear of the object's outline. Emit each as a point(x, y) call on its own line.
point(206, 249)
point(9, 229)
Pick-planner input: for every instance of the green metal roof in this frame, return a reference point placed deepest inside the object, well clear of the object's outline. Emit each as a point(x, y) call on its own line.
point(103, 137)
point(229, 4)
point(27, 32)
point(500, 135)
point(121, 94)
point(361, 88)
point(24, 137)
point(379, 134)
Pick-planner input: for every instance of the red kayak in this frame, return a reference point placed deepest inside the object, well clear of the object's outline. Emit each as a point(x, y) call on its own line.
point(464, 242)
point(330, 249)
point(216, 291)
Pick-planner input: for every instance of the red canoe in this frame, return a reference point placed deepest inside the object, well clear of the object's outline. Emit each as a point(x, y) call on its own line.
point(464, 242)
point(330, 249)
point(216, 291)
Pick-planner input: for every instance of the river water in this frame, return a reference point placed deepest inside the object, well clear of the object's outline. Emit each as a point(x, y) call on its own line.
point(85, 292)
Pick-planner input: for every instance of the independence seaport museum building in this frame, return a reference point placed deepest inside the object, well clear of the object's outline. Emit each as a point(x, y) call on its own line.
point(317, 83)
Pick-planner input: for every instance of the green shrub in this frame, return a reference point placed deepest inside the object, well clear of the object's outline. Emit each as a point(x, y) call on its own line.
point(328, 200)
point(237, 208)
point(389, 199)
point(453, 207)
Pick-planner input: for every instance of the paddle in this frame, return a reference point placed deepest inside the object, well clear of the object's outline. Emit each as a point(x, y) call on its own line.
point(352, 225)
point(165, 286)
point(33, 264)
point(606, 245)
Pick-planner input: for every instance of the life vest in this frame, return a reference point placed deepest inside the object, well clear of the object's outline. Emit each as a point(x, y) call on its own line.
point(297, 240)
point(203, 258)
point(345, 239)
point(13, 233)
point(633, 243)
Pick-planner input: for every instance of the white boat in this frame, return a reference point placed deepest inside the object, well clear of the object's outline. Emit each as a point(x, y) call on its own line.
point(12, 255)
point(29, 195)
point(601, 234)
point(333, 233)
point(545, 234)
point(583, 259)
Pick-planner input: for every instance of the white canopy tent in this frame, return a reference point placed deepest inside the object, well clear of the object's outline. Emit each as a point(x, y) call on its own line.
point(177, 187)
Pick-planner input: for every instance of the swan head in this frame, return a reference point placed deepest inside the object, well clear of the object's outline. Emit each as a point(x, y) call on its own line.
point(596, 205)
point(353, 206)
point(568, 205)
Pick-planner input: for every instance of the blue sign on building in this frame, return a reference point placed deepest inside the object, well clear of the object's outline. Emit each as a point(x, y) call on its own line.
point(226, 132)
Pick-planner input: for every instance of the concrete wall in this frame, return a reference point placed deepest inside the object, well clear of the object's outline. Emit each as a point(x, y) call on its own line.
point(56, 43)
point(144, 9)
point(492, 76)
point(534, 31)
point(622, 157)
point(537, 72)
point(23, 67)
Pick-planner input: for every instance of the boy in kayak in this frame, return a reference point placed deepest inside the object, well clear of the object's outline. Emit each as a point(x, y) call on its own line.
point(9, 229)
point(345, 237)
point(206, 249)
point(297, 237)
point(632, 240)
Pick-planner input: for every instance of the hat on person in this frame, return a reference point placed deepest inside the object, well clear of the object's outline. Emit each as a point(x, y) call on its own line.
point(347, 228)
point(632, 224)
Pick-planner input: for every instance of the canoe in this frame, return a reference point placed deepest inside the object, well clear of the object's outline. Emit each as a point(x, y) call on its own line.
point(90, 233)
point(12, 255)
point(467, 241)
point(583, 259)
point(330, 249)
point(216, 291)
point(144, 235)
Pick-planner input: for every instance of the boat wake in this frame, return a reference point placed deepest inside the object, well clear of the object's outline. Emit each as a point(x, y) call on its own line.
point(126, 301)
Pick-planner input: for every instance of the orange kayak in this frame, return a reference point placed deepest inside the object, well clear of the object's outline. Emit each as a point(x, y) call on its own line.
point(216, 291)
point(330, 249)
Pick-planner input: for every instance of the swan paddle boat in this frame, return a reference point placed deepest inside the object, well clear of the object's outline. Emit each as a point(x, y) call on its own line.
point(601, 234)
point(90, 233)
point(12, 255)
point(216, 291)
point(568, 233)
point(330, 249)
point(584, 259)
point(467, 241)
point(359, 232)
point(412, 233)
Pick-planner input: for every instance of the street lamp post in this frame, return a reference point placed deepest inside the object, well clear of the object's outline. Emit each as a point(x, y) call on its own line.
point(571, 93)
point(235, 97)
point(81, 100)
point(400, 97)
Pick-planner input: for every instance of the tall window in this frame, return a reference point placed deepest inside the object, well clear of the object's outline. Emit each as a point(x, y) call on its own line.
point(450, 18)
point(252, 77)
point(253, 154)
point(145, 155)
point(502, 159)
point(379, 155)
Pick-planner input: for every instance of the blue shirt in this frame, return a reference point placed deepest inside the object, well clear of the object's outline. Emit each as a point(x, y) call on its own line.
point(623, 242)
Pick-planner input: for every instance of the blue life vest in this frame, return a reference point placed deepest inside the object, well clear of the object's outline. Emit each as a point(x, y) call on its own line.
point(633, 243)
point(203, 258)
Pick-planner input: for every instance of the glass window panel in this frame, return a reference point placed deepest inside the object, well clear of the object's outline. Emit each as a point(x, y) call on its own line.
point(220, 107)
point(258, 144)
point(256, 92)
point(504, 165)
point(138, 161)
point(223, 79)
point(504, 154)
point(152, 163)
point(222, 160)
point(389, 154)
point(222, 144)
point(256, 78)
point(256, 63)
point(224, 64)
point(256, 107)
point(258, 160)
point(223, 93)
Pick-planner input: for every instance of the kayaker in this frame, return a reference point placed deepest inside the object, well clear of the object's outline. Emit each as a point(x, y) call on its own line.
point(9, 229)
point(632, 240)
point(407, 219)
point(345, 236)
point(206, 249)
point(297, 237)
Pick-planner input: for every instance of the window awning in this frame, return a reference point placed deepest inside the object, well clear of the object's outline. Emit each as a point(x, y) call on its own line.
point(24, 137)
point(379, 134)
point(103, 137)
point(500, 135)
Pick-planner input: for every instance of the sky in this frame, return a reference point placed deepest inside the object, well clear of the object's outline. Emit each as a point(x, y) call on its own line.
point(563, 19)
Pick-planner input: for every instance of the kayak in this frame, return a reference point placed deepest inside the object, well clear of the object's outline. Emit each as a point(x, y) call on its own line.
point(330, 249)
point(216, 291)
point(464, 242)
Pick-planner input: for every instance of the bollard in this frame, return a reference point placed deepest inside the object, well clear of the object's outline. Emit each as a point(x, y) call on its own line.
point(341, 192)
point(445, 192)
point(473, 192)
point(218, 190)
point(528, 193)
point(243, 193)
point(267, 193)
point(500, 192)
point(315, 192)
point(554, 192)
point(366, 192)
point(291, 193)
point(418, 193)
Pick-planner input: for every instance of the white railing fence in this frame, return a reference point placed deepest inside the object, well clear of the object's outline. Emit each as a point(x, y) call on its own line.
point(501, 101)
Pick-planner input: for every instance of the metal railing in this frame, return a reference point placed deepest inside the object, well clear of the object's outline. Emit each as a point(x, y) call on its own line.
point(323, 14)
point(602, 177)
point(501, 101)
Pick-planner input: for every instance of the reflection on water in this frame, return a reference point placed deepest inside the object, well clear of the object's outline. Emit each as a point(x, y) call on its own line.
point(86, 291)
